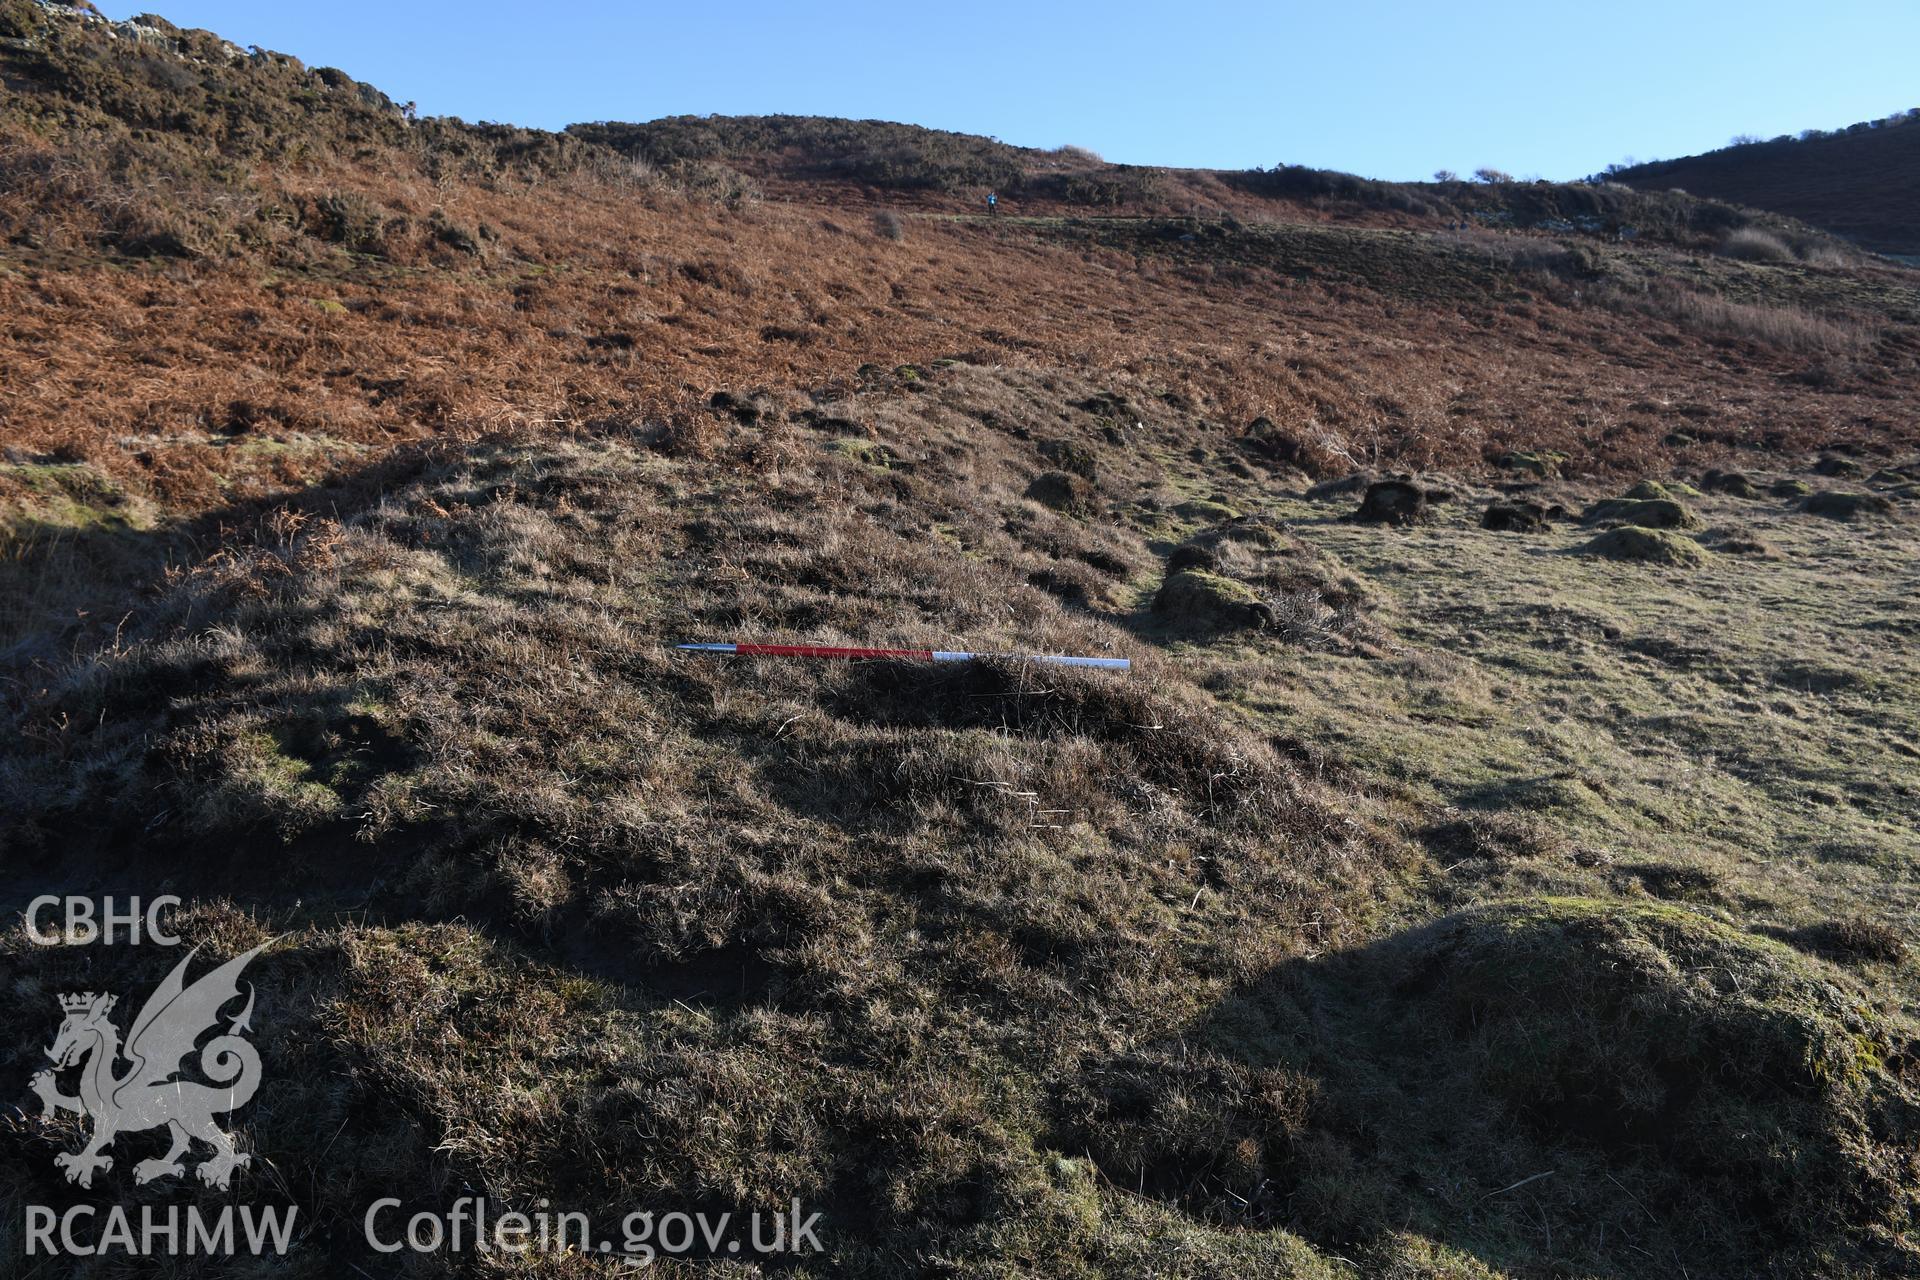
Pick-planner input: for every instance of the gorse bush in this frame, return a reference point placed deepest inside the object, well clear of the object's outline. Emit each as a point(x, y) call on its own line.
point(1077, 155)
point(20, 19)
point(1299, 182)
point(156, 146)
point(874, 152)
point(348, 219)
point(1110, 187)
point(1655, 215)
point(879, 153)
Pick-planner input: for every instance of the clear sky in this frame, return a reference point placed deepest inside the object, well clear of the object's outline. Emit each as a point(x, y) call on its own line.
point(1391, 90)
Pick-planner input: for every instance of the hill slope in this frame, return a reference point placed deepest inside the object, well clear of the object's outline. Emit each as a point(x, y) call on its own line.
point(1527, 888)
point(1858, 182)
point(306, 275)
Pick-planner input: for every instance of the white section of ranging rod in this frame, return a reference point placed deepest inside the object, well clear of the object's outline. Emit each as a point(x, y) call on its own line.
point(1057, 659)
point(845, 653)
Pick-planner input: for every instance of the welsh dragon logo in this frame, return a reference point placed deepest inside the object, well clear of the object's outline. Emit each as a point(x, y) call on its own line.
point(151, 1093)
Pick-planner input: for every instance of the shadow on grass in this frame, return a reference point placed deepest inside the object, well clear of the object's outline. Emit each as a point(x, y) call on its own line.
point(1548, 1087)
point(65, 588)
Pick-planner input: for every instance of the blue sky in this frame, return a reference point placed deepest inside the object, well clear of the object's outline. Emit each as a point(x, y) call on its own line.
point(1393, 90)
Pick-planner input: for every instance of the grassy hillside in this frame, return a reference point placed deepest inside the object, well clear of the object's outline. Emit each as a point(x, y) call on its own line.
point(1005, 962)
point(1855, 182)
point(1432, 899)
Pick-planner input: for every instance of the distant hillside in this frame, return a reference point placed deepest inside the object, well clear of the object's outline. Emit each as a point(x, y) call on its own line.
point(430, 276)
point(1862, 182)
point(154, 141)
point(806, 158)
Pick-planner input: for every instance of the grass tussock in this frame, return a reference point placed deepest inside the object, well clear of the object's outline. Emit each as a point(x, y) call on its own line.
point(1787, 328)
point(1755, 244)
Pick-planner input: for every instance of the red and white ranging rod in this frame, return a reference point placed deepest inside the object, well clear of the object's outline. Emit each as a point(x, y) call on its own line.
point(910, 655)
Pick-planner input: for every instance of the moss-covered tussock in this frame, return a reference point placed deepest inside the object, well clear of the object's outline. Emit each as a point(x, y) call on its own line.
point(1199, 600)
point(1649, 546)
point(1749, 1080)
point(1253, 572)
point(1646, 512)
point(1723, 1102)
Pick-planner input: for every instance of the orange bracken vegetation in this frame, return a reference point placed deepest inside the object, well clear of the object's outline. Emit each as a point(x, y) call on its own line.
point(609, 310)
point(221, 272)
